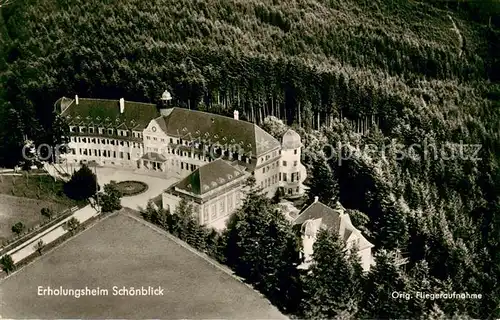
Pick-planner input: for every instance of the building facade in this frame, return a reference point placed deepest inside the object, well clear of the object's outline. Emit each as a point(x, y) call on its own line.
point(186, 144)
point(178, 141)
point(318, 216)
point(105, 131)
point(214, 190)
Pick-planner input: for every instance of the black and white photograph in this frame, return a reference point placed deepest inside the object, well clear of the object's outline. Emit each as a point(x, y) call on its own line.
point(250, 159)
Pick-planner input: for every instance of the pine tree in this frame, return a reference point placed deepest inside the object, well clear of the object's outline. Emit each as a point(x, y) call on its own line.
point(262, 248)
point(384, 281)
point(83, 184)
point(323, 183)
point(331, 286)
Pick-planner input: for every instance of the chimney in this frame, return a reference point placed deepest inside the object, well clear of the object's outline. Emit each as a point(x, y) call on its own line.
point(316, 199)
point(236, 115)
point(122, 105)
point(76, 99)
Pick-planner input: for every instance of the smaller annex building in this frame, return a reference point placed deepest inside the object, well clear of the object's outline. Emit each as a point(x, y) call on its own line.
point(318, 216)
point(214, 190)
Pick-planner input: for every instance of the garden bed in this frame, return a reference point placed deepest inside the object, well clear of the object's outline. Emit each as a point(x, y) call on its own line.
point(131, 188)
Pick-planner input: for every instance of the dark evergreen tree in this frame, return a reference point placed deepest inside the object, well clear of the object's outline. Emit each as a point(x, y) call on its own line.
point(82, 185)
point(332, 284)
point(262, 248)
point(110, 199)
point(7, 263)
point(384, 282)
point(323, 183)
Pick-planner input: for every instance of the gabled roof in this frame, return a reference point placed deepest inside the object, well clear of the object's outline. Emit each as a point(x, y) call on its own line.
point(317, 210)
point(194, 125)
point(136, 114)
point(331, 219)
point(209, 177)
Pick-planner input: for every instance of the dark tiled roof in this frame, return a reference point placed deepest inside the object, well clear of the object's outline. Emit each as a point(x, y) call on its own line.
point(136, 115)
point(153, 156)
point(208, 177)
point(330, 217)
point(194, 125)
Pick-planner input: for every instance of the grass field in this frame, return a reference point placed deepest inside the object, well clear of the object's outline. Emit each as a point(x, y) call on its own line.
point(15, 209)
point(34, 187)
point(22, 198)
point(120, 251)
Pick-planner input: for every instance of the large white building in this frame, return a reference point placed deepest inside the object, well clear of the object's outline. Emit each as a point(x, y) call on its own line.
point(179, 142)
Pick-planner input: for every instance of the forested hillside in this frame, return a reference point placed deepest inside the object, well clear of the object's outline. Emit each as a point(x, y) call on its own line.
point(422, 71)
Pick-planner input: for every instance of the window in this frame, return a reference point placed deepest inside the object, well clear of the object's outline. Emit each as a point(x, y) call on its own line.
point(162, 140)
point(154, 138)
point(293, 177)
point(222, 207)
point(230, 202)
point(110, 131)
point(280, 176)
point(297, 189)
point(171, 140)
point(284, 163)
point(290, 191)
point(237, 198)
point(205, 213)
point(284, 176)
point(262, 184)
point(91, 130)
point(114, 154)
point(121, 155)
point(295, 151)
point(295, 163)
point(148, 138)
point(264, 170)
point(214, 211)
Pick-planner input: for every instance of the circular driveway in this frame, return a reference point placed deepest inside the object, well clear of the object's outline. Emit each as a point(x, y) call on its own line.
point(156, 184)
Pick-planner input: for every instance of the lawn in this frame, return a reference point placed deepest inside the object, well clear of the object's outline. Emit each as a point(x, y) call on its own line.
point(15, 209)
point(22, 198)
point(120, 251)
point(35, 187)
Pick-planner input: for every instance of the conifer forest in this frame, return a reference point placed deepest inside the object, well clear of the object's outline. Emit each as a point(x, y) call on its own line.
point(357, 71)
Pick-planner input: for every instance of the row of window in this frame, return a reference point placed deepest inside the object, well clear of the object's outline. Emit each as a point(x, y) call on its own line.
point(109, 131)
point(112, 142)
point(269, 181)
point(218, 209)
point(295, 176)
point(102, 153)
point(295, 163)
